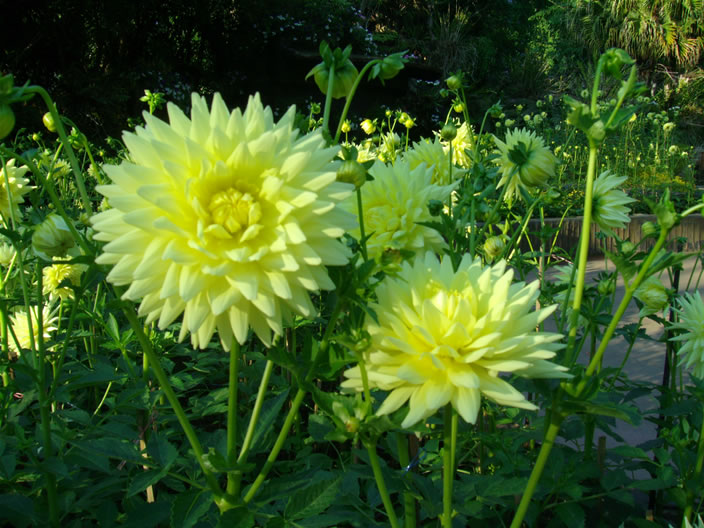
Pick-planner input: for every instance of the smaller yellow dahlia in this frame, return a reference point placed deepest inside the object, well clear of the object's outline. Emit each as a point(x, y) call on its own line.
point(395, 203)
point(53, 276)
point(12, 196)
point(463, 142)
point(609, 204)
point(525, 161)
point(691, 322)
point(7, 253)
point(444, 336)
point(21, 328)
point(433, 154)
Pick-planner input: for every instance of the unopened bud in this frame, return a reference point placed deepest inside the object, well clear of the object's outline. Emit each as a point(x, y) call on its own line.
point(454, 82)
point(448, 132)
point(49, 123)
point(494, 246)
point(352, 172)
point(648, 229)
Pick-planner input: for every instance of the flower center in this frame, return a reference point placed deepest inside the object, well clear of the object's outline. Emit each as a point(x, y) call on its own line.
point(234, 210)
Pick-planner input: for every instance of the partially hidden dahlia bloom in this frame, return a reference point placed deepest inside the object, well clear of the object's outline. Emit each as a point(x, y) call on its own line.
point(433, 154)
point(444, 336)
point(525, 162)
point(7, 253)
point(19, 186)
point(691, 322)
point(21, 328)
point(228, 218)
point(53, 276)
point(462, 142)
point(653, 294)
point(394, 204)
point(609, 203)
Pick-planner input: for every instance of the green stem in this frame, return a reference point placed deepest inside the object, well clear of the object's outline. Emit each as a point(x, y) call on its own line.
point(67, 146)
point(381, 485)
point(360, 216)
point(689, 507)
point(295, 404)
point(163, 380)
point(628, 294)
point(543, 455)
point(448, 469)
point(348, 99)
point(263, 383)
point(583, 253)
point(328, 99)
point(51, 493)
point(233, 477)
point(409, 503)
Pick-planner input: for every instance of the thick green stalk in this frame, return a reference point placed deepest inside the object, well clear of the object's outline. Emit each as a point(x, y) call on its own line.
point(163, 381)
point(348, 99)
point(583, 254)
point(328, 98)
point(233, 477)
point(381, 485)
point(448, 470)
point(295, 404)
point(409, 503)
point(360, 217)
point(247, 442)
point(689, 507)
point(543, 455)
point(44, 403)
point(67, 146)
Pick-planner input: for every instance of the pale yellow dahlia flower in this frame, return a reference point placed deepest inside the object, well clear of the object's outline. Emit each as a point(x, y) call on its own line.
point(433, 154)
point(228, 218)
point(394, 203)
point(19, 186)
point(53, 276)
point(609, 204)
point(52, 238)
point(525, 162)
point(443, 336)
point(691, 322)
point(463, 142)
point(21, 328)
point(7, 254)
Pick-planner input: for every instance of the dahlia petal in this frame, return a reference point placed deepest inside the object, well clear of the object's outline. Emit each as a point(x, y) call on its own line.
point(395, 399)
point(467, 401)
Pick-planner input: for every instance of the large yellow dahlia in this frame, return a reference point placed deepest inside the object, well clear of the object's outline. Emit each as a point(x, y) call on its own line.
point(20, 327)
point(395, 203)
point(228, 218)
point(443, 336)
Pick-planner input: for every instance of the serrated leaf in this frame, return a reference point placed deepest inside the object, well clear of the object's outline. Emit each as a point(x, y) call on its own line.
point(312, 500)
point(161, 451)
point(144, 479)
point(238, 517)
point(270, 410)
point(189, 507)
point(17, 509)
point(571, 514)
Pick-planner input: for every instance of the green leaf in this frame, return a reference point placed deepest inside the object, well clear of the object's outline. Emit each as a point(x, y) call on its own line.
point(148, 515)
point(571, 514)
point(270, 410)
point(17, 509)
point(238, 517)
point(500, 487)
point(629, 452)
point(161, 451)
point(189, 507)
point(143, 480)
point(312, 500)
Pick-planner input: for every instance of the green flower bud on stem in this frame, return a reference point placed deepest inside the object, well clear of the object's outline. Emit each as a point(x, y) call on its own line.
point(454, 82)
point(352, 172)
point(448, 132)
point(7, 120)
point(48, 121)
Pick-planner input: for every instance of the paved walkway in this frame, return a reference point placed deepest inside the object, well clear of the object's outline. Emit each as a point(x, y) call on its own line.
point(647, 358)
